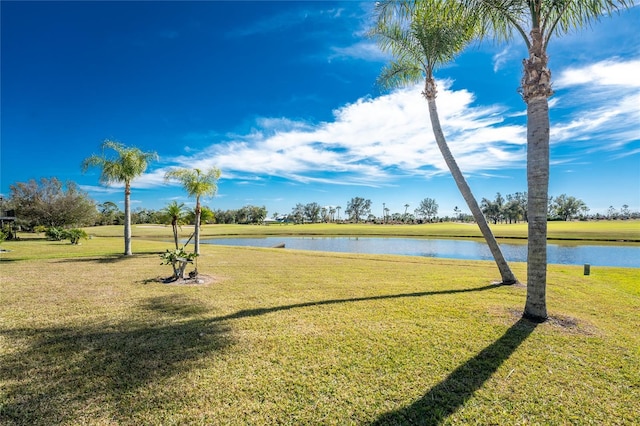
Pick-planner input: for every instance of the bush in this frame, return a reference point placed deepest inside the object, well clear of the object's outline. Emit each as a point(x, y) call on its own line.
point(174, 258)
point(38, 229)
point(74, 235)
point(55, 234)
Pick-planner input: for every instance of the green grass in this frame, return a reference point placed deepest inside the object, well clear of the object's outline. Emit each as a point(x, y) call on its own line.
point(602, 231)
point(293, 337)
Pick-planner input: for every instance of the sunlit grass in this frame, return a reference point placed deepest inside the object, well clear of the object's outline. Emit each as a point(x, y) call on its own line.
point(619, 230)
point(87, 336)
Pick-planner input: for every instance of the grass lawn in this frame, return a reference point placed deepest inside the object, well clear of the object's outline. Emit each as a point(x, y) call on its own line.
point(88, 336)
point(618, 230)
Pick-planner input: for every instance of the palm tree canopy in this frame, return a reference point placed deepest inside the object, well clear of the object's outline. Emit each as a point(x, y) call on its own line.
point(131, 162)
point(421, 36)
point(174, 211)
point(551, 17)
point(196, 182)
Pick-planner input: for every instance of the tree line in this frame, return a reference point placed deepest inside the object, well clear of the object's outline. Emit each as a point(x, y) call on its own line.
point(48, 202)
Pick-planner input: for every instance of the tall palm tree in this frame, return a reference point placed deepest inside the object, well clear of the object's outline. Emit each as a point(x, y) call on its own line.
point(537, 21)
point(130, 163)
point(197, 184)
point(422, 36)
point(175, 213)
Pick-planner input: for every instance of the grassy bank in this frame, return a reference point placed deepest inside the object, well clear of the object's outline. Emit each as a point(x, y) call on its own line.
point(284, 337)
point(577, 231)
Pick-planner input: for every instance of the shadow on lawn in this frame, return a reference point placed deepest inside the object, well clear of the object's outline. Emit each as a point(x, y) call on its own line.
point(64, 375)
point(108, 258)
point(262, 311)
point(448, 396)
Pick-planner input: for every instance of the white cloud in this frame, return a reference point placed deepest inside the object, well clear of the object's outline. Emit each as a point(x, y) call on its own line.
point(501, 58)
point(102, 189)
point(603, 105)
point(369, 142)
point(612, 72)
point(367, 50)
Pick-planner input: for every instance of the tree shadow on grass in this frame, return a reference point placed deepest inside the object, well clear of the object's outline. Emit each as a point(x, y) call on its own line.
point(107, 258)
point(262, 311)
point(58, 371)
point(61, 375)
point(448, 396)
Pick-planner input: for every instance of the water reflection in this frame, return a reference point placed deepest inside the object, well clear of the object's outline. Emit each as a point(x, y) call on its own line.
point(602, 255)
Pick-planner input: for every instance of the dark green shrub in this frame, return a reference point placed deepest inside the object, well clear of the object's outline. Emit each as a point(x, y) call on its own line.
point(74, 235)
point(55, 234)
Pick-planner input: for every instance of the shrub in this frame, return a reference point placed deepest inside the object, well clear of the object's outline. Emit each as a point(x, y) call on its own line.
point(175, 259)
point(74, 235)
point(38, 229)
point(55, 234)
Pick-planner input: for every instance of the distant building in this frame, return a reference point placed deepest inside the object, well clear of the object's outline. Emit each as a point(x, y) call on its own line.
point(6, 216)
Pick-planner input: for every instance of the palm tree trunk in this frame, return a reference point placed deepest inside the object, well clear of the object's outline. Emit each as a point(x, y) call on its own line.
point(538, 183)
point(196, 238)
point(127, 219)
point(174, 226)
point(505, 271)
point(536, 89)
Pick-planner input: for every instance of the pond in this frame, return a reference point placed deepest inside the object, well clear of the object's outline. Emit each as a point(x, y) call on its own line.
point(570, 254)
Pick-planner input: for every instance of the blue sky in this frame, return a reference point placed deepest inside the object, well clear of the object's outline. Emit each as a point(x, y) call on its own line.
point(281, 96)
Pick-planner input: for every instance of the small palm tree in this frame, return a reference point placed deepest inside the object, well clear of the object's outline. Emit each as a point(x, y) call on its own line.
point(175, 213)
point(130, 163)
point(197, 184)
point(422, 36)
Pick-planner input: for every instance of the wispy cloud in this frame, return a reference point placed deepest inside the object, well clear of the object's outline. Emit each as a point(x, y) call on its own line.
point(377, 140)
point(369, 142)
point(284, 20)
point(366, 50)
point(501, 58)
point(603, 105)
point(612, 72)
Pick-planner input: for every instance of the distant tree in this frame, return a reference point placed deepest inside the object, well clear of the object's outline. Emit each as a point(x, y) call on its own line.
point(338, 210)
point(384, 212)
point(568, 207)
point(428, 208)
point(297, 213)
point(129, 164)
point(174, 214)
point(252, 214)
point(456, 212)
point(206, 215)
point(225, 216)
point(358, 208)
point(144, 215)
point(625, 212)
point(312, 212)
point(109, 212)
point(492, 209)
point(196, 183)
point(611, 212)
point(50, 203)
point(512, 210)
point(332, 213)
